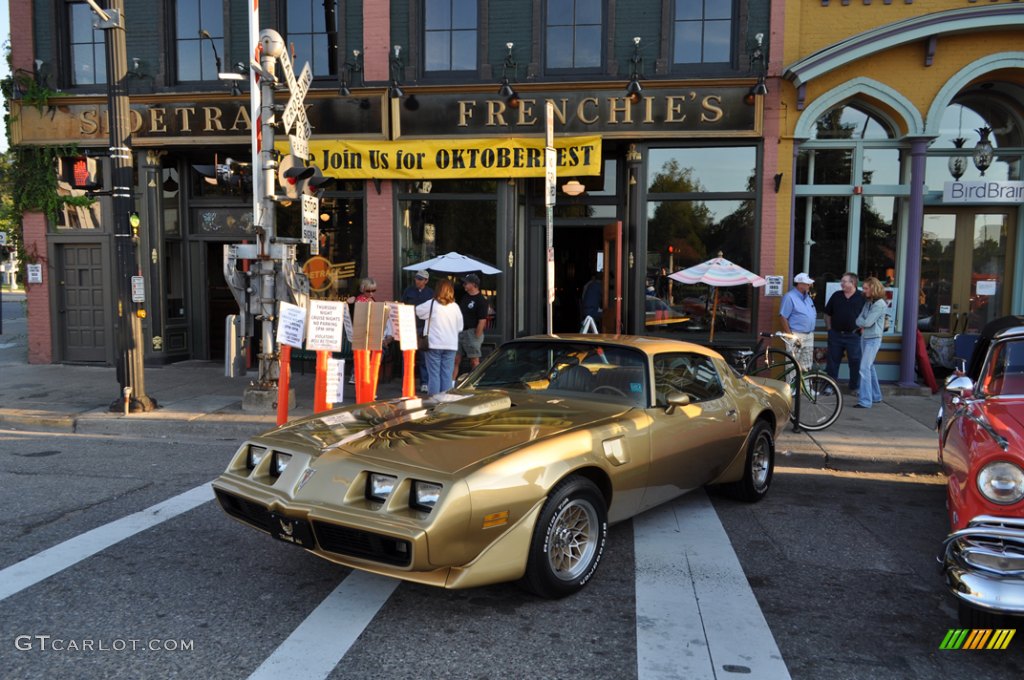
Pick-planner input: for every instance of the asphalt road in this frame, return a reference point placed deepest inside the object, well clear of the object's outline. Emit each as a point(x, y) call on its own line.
point(842, 566)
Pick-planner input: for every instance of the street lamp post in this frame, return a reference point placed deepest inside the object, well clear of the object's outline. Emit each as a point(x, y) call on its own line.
point(130, 350)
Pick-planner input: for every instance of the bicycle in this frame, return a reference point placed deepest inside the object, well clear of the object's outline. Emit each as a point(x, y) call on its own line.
point(818, 402)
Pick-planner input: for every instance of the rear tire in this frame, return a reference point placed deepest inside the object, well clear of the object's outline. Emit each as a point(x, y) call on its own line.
point(568, 540)
point(759, 467)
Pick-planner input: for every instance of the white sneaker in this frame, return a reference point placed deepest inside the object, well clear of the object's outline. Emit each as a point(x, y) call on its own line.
point(424, 388)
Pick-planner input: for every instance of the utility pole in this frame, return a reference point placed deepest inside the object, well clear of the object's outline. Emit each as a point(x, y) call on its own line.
point(130, 350)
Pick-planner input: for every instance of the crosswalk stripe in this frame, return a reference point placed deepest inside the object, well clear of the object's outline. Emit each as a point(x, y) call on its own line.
point(696, 614)
point(45, 564)
point(319, 643)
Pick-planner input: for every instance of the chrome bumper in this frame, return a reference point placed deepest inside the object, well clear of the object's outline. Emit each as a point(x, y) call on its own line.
point(984, 564)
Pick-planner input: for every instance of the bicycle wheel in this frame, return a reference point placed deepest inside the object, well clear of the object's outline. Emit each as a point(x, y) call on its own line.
point(774, 364)
point(820, 402)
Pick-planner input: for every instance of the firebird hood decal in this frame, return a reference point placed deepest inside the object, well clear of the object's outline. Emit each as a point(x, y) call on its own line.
point(418, 434)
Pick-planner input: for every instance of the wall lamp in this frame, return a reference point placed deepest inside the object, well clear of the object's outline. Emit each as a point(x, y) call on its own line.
point(235, 75)
point(506, 91)
point(573, 188)
point(758, 63)
point(983, 151)
point(395, 89)
point(636, 64)
point(349, 71)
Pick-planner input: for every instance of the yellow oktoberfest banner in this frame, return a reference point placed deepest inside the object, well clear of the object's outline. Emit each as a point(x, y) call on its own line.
point(451, 158)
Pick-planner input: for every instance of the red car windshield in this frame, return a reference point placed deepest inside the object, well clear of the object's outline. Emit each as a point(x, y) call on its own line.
point(1004, 374)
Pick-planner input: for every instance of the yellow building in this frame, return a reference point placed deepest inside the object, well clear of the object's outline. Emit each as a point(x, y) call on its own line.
point(900, 147)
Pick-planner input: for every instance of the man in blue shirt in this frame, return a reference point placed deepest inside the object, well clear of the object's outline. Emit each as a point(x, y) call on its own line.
point(798, 317)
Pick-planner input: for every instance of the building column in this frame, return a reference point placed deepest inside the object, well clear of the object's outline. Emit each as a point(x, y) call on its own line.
point(912, 270)
point(380, 232)
point(40, 328)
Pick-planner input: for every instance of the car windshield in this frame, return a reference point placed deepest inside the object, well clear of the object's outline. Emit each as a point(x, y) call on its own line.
point(1004, 374)
point(572, 369)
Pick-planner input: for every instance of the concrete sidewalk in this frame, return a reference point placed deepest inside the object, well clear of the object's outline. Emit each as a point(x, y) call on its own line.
point(196, 400)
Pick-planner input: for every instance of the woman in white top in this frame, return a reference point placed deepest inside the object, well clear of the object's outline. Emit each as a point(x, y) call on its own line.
point(443, 325)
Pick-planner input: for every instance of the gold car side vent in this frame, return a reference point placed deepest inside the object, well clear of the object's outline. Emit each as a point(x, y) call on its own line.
point(615, 451)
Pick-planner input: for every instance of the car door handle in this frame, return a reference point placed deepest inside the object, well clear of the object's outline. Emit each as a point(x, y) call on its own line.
point(732, 414)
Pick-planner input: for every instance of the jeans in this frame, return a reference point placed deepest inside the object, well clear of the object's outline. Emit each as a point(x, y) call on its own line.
point(440, 364)
point(838, 343)
point(870, 391)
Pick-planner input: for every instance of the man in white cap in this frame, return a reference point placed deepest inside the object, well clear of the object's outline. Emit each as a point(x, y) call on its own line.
point(798, 316)
point(415, 294)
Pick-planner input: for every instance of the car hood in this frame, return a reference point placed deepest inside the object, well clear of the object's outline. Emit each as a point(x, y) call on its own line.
point(464, 430)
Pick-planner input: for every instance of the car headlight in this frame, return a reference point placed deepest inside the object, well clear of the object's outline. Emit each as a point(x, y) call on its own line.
point(1001, 482)
point(379, 487)
point(279, 462)
point(425, 495)
point(254, 456)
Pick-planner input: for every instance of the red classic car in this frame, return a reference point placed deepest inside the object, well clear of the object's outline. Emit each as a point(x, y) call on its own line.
point(981, 450)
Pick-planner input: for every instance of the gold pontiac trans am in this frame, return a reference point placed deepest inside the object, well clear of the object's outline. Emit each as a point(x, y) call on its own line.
point(517, 472)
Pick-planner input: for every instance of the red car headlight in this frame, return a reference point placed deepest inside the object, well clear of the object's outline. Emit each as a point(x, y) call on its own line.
point(1001, 482)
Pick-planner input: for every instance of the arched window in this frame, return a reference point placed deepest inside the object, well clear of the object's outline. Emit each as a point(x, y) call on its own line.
point(848, 189)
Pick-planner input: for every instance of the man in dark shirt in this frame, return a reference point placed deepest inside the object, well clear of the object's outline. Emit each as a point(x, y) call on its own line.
point(474, 319)
point(841, 312)
point(415, 294)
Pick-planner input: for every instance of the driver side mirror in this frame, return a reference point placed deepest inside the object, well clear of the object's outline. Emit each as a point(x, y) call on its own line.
point(676, 400)
point(960, 386)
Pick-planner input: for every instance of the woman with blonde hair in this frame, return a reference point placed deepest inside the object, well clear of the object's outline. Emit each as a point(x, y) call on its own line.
point(870, 321)
point(443, 325)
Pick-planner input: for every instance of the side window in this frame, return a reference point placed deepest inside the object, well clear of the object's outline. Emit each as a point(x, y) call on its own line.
point(703, 31)
point(88, 49)
point(198, 39)
point(449, 35)
point(573, 34)
point(308, 23)
point(689, 373)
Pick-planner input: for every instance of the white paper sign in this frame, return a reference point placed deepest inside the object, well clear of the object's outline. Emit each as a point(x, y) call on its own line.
point(403, 323)
point(291, 324)
point(773, 286)
point(326, 319)
point(335, 380)
point(35, 273)
point(987, 287)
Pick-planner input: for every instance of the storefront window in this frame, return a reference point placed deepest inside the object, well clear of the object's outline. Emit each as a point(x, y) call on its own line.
point(690, 220)
point(878, 219)
point(341, 261)
point(171, 191)
point(848, 188)
point(436, 218)
point(963, 123)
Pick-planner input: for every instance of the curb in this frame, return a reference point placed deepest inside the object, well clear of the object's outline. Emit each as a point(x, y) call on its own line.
point(823, 461)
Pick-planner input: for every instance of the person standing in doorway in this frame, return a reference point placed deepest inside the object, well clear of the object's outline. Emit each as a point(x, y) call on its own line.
point(443, 321)
point(841, 312)
point(590, 300)
point(474, 320)
point(415, 295)
point(870, 321)
point(797, 316)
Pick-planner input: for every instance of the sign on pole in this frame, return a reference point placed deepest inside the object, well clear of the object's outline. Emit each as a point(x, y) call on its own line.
point(138, 289)
point(291, 324)
point(311, 223)
point(550, 181)
point(326, 320)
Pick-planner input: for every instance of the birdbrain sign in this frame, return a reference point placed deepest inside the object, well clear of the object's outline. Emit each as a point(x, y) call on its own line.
point(453, 158)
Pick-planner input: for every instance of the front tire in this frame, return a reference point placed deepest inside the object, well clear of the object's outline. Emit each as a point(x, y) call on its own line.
point(759, 467)
point(568, 540)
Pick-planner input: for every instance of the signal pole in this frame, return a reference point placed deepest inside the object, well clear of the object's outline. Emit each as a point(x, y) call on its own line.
point(130, 350)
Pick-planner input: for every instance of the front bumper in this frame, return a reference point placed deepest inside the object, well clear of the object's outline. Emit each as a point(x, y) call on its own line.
point(984, 564)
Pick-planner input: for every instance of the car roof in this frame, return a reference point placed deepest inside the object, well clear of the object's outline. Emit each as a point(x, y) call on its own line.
point(646, 344)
